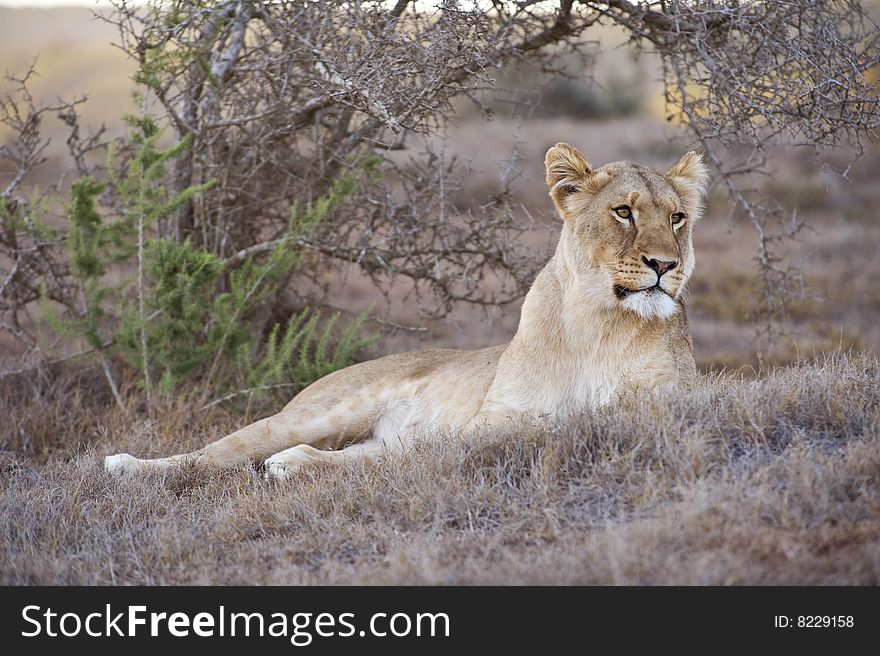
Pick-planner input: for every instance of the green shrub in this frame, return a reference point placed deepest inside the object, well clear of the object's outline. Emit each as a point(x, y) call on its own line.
point(189, 318)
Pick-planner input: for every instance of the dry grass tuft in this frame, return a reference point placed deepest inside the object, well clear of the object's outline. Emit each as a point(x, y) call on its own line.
point(774, 480)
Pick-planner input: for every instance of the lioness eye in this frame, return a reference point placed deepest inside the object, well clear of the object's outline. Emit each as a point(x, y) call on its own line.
point(624, 212)
point(678, 217)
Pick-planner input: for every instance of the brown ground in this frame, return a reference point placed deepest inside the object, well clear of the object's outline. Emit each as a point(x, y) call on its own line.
point(774, 479)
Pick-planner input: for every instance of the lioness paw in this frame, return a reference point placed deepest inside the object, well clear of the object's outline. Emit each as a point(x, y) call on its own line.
point(122, 463)
point(280, 466)
point(276, 471)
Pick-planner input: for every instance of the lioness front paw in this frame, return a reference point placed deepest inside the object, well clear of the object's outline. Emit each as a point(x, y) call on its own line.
point(122, 463)
point(282, 465)
point(276, 471)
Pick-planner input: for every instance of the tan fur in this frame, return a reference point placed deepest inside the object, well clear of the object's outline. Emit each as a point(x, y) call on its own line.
point(586, 333)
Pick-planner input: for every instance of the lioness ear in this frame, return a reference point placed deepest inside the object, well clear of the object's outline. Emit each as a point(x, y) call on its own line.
point(689, 177)
point(569, 172)
point(565, 165)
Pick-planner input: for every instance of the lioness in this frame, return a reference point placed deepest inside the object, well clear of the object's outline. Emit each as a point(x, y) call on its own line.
point(605, 314)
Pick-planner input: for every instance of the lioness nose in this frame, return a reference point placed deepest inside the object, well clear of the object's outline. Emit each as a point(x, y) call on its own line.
point(660, 266)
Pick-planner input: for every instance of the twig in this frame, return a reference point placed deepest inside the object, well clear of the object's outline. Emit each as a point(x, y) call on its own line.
point(51, 363)
point(242, 392)
point(113, 388)
point(148, 384)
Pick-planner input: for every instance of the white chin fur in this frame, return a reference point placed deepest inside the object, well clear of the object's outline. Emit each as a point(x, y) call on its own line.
point(650, 305)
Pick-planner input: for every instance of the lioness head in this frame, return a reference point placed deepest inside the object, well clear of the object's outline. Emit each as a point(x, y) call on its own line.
point(628, 227)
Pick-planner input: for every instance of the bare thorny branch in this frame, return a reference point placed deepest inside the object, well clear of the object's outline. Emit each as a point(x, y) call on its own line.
point(32, 257)
point(281, 98)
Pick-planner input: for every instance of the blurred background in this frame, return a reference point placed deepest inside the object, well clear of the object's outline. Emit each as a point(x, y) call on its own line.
point(618, 113)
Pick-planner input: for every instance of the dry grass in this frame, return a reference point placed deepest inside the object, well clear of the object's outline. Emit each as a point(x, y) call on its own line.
point(775, 480)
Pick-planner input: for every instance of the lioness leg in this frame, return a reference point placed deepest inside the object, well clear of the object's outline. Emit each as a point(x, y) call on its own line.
point(281, 465)
point(294, 425)
point(340, 409)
